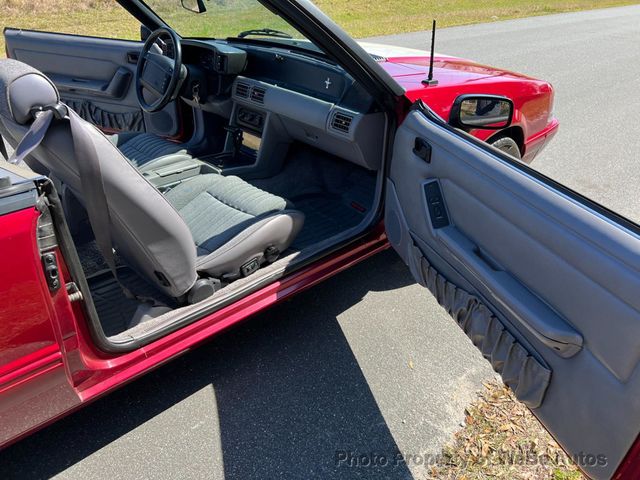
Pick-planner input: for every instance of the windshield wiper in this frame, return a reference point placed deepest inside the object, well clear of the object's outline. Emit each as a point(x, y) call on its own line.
point(267, 32)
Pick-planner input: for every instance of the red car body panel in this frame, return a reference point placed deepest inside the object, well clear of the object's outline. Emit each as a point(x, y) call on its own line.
point(533, 99)
point(34, 375)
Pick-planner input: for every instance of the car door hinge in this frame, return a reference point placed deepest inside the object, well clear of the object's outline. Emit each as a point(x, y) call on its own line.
point(422, 149)
point(75, 295)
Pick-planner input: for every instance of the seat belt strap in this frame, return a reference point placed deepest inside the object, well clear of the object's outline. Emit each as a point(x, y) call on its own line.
point(88, 161)
point(3, 149)
point(33, 138)
point(90, 175)
point(91, 179)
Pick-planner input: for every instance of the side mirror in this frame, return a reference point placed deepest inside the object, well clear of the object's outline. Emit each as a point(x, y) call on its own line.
point(144, 32)
point(490, 112)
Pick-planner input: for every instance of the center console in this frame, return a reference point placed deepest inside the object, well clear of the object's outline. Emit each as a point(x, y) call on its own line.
point(171, 175)
point(267, 102)
point(243, 141)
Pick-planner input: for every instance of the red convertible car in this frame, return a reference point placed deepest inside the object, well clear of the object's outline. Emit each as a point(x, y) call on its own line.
point(242, 170)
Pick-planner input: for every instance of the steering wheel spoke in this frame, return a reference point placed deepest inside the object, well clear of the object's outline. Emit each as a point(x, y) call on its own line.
point(150, 87)
point(157, 73)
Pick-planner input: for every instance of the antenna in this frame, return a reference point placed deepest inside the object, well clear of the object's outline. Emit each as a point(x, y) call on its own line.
point(430, 81)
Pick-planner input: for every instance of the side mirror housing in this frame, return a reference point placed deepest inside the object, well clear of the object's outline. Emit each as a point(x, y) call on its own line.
point(489, 112)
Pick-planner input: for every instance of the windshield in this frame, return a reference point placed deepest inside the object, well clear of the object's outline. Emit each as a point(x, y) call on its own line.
point(224, 18)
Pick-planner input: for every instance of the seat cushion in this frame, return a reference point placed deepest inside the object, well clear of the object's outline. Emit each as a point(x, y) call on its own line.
point(146, 151)
point(233, 222)
point(216, 208)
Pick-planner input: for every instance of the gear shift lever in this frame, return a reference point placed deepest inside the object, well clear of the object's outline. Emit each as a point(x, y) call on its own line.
point(236, 138)
point(236, 145)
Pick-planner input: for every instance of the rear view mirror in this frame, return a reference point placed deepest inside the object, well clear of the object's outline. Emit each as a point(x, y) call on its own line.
point(491, 112)
point(195, 6)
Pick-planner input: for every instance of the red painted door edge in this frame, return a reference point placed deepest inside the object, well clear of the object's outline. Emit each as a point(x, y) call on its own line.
point(629, 469)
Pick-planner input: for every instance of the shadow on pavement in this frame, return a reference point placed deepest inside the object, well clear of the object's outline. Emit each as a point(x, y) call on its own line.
point(288, 389)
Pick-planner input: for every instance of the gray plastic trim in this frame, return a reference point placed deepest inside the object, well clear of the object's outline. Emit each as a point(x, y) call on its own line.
point(309, 120)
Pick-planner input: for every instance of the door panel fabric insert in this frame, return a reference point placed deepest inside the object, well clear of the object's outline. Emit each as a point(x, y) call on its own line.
point(124, 122)
point(520, 371)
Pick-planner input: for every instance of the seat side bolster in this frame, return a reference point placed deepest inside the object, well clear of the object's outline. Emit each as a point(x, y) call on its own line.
point(277, 230)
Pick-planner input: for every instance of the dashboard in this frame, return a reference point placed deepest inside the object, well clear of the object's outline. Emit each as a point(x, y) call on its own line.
point(275, 65)
point(286, 94)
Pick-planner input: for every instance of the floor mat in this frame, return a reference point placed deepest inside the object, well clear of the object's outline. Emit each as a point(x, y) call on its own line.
point(325, 216)
point(334, 195)
point(116, 310)
point(90, 257)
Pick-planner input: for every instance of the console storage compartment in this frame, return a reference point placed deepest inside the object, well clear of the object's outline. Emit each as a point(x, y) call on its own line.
point(170, 175)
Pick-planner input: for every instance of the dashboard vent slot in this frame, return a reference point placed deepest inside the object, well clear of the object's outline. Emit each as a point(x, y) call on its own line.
point(257, 94)
point(378, 58)
point(341, 122)
point(242, 90)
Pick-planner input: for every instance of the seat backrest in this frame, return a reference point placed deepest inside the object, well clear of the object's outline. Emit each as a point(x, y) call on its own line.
point(145, 229)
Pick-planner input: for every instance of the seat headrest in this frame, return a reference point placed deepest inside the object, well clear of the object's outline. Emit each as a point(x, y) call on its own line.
point(23, 88)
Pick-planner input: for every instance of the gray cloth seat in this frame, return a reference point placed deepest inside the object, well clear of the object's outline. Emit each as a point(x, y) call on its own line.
point(147, 151)
point(208, 226)
point(224, 213)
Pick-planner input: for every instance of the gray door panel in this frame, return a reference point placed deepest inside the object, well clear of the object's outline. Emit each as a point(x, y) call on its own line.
point(95, 76)
point(562, 278)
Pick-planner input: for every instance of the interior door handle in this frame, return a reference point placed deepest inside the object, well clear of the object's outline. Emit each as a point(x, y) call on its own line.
point(116, 87)
point(422, 149)
point(133, 57)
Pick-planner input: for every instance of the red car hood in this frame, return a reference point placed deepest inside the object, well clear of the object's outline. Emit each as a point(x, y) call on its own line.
point(409, 67)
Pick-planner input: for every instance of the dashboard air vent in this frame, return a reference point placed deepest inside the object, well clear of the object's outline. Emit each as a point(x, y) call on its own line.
point(341, 122)
point(242, 90)
point(257, 94)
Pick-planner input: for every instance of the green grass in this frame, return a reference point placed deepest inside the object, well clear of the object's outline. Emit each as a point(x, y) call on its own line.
point(361, 18)
point(559, 474)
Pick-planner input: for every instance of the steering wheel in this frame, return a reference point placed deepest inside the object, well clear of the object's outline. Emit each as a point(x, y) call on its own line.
point(159, 72)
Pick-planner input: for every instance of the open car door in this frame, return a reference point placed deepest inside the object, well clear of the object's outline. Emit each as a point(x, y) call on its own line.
point(544, 282)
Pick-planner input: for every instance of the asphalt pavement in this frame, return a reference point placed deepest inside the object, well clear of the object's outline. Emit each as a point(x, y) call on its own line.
point(366, 365)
